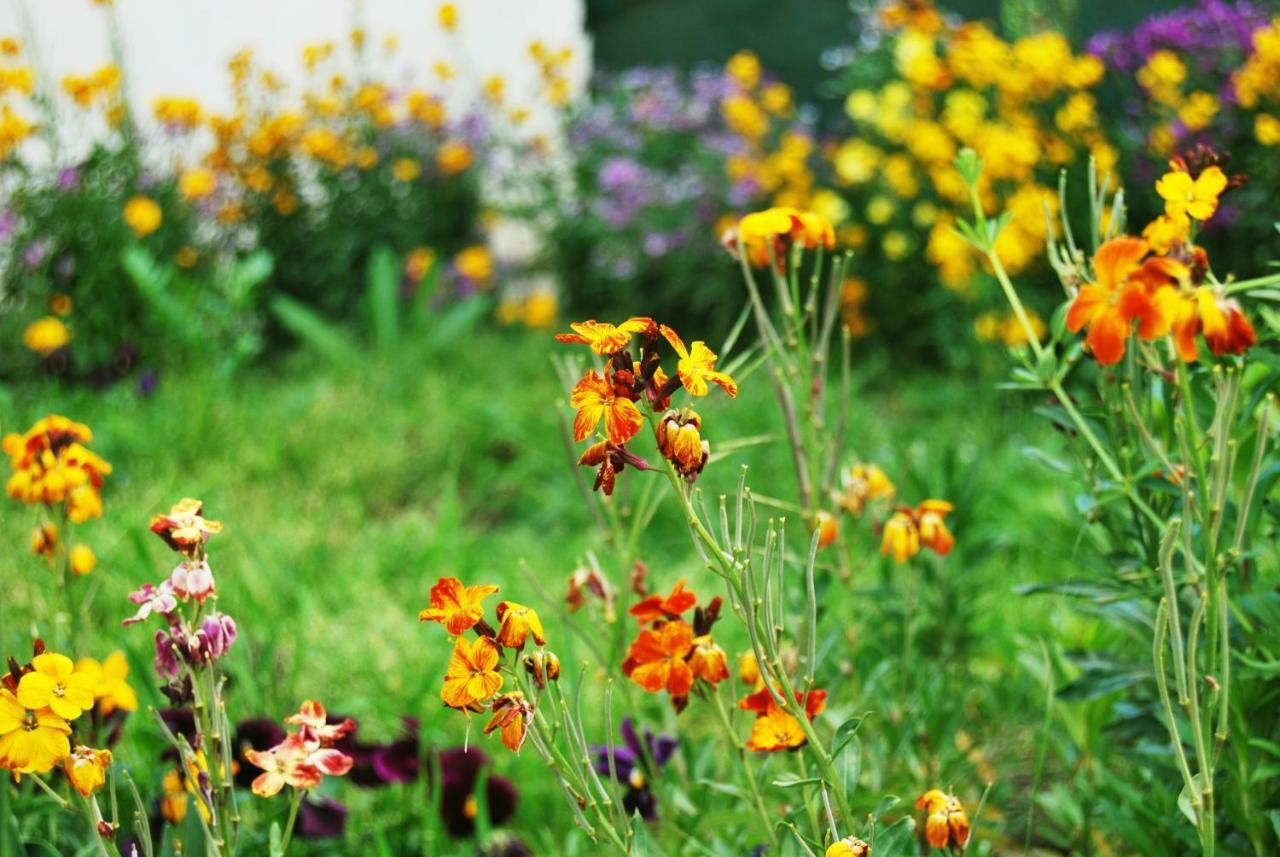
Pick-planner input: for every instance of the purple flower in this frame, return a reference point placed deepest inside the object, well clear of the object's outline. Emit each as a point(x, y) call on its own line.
point(214, 639)
point(152, 599)
point(68, 178)
point(35, 254)
point(8, 223)
point(167, 647)
point(460, 770)
point(636, 764)
point(321, 818)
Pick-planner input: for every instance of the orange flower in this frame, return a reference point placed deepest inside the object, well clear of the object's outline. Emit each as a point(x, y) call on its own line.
point(471, 676)
point(899, 537)
point(604, 338)
point(708, 661)
point(772, 228)
point(1109, 306)
point(945, 821)
point(774, 728)
point(657, 662)
point(511, 713)
point(933, 530)
point(657, 607)
point(1193, 310)
point(908, 530)
point(455, 606)
point(697, 366)
point(610, 458)
point(596, 398)
point(680, 443)
point(516, 623)
point(86, 769)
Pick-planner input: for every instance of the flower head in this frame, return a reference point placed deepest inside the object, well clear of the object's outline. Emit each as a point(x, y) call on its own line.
point(1110, 305)
point(604, 338)
point(849, 846)
point(455, 606)
point(768, 233)
point(609, 459)
point(697, 366)
point(142, 215)
point(863, 483)
point(46, 335)
point(658, 660)
point(31, 740)
point(671, 606)
point(597, 398)
point(291, 763)
point(516, 623)
point(946, 823)
point(55, 684)
point(511, 714)
point(472, 675)
point(908, 530)
point(775, 728)
point(630, 762)
point(111, 688)
point(86, 769)
point(185, 528)
point(1197, 197)
point(680, 443)
point(314, 726)
point(152, 599)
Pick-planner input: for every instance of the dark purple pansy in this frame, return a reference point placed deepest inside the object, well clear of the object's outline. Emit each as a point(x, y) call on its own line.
point(459, 773)
point(321, 818)
point(635, 765)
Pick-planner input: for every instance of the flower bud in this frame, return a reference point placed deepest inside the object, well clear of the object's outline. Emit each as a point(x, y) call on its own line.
point(542, 667)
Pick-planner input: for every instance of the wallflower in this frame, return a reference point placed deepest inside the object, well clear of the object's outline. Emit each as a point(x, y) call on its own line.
point(697, 366)
point(471, 676)
point(657, 660)
point(1166, 232)
point(609, 459)
point(597, 398)
point(849, 846)
point(192, 579)
point(772, 229)
point(314, 726)
point(1110, 306)
point(44, 541)
point(185, 529)
point(681, 444)
point(197, 184)
point(455, 606)
point(863, 483)
point(86, 769)
point(83, 559)
point(31, 741)
point(511, 714)
point(708, 661)
point(55, 684)
point(453, 157)
point(406, 169)
point(142, 215)
point(1196, 198)
point(657, 607)
point(604, 338)
point(52, 465)
point(475, 263)
point(515, 623)
point(1192, 310)
point(776, 729)
point(111, 688)
point(46, 335)
point(946, 824)
point(296, 763)
point(908, 530)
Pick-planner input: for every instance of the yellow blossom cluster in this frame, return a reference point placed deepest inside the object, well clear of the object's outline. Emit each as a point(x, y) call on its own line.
point(775, 156)
point(1026, 106)
point(17, 84)
point(52, 465)
point(1164, 78)
point(1257, 84)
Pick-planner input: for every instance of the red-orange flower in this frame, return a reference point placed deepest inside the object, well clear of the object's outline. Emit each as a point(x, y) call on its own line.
point(1110, 306)
point(511, 713)
point(455, 606)
point(1194, 310)
point(945, 821)
point(657, 607)
point(596, 398)
point(708, 661)
point(604, 338)
point(775, 728)
point(657, 660)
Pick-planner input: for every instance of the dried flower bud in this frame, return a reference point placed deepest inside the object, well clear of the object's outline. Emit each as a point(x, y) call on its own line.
point(542, 667)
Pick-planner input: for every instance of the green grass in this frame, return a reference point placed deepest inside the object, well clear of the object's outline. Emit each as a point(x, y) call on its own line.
point(346, 493)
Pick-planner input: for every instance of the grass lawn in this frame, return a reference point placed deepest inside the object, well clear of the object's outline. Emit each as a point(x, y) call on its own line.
point(346, 492)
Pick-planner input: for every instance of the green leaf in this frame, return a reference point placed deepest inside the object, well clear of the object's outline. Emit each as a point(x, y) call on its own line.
point(275, 840)
point(382, 291)
point(790, 781)
point(845, 732)
point(313, 330)
point(1184, 800)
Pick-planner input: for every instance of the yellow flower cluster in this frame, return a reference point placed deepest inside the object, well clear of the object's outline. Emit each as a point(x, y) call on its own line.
point(53, 466)
point(535, 309)
point(1163, 77)
point(17, 81)
point(1257, 84)
point(1025, 106)
point(777, 162)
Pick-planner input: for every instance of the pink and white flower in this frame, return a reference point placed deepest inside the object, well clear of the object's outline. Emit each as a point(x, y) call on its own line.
point(152, 599)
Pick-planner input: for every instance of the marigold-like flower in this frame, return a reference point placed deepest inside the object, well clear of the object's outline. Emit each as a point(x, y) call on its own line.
point(1110, 306)
point(31, 741)
point(185, 529)
point(472, 675)
point(455, 606)
point(945, 821)
point(46, 335)
point(697, 366)
point(55, 684)
point(602, 337)
point(1194, 310)
point(511, 713)
point(516, 622)
point(142, 215)
point(1197, 197)
point(671, 606)
point(86, 769)
point(597, 398)
point(680, 443)
point(657, 660)
point(849, 846)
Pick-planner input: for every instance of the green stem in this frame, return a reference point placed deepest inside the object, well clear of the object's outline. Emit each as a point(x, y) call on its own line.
point(740, 751)
point(298, 795)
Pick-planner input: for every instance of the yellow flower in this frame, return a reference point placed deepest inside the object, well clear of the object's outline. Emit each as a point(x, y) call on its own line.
point(860, 105)
point(539, 309)
point(86, 769)
point(1266, 129)
point(406, 169)
point(46, 335)
point(946, 823)
point(111, 688)
point(850, 846)
point(453, 157)
point(447, 16)
point(31, 740)
point(443, 70)
point(83, 559)
point(1196, 198)
point(55, 684)
point(697, 366)
point(1198, 110)
point(471, 676)
point(744, 68)
point(182, 113)
point(142, 215)
point(475, 263)
point(495, 88)
point(455, 606)
point(1165, 231)
point(516, 623)
point(197, 183)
